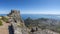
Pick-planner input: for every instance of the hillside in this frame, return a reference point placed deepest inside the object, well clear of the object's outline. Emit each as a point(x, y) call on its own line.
point(44, 23)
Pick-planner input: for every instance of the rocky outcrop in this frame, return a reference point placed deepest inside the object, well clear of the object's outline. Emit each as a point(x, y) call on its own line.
point(46, 31)
point(17, 22)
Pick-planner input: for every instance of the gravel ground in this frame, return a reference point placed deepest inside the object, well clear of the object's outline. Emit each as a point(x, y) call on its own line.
point(4, 28)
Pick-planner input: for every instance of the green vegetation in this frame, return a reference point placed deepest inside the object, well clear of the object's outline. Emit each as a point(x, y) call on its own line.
point(4, 19)
point(20, 25)
point(42, 27)
point(28, 22)
point(1, 23)
point(58, 30)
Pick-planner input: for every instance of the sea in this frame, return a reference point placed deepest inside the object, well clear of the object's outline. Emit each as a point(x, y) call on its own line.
point(36, 16)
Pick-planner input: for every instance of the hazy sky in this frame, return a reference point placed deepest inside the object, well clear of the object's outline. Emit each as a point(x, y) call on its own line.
point(31, 6)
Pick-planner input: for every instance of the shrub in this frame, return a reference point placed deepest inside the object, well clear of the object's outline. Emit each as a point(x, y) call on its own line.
point(0, 23)
point(5, 19)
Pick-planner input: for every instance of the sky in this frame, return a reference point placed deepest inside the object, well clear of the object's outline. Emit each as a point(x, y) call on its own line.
point(30, 6)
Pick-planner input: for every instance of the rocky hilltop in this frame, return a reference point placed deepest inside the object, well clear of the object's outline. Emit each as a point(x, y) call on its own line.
point(17, 22)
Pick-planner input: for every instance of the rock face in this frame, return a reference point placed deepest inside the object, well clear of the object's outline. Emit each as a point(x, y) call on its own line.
point(17, 22)
point(46, 31)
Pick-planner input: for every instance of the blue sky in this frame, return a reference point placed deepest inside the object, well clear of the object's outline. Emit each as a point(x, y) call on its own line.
point(30, 6)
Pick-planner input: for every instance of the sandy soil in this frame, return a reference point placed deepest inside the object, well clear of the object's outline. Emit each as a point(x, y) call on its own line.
point(4, 28)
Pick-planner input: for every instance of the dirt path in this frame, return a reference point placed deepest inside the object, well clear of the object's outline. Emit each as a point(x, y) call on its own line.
point(4, 28)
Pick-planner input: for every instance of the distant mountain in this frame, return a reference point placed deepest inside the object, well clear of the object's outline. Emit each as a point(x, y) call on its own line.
point(43, 23)
point(36, 16)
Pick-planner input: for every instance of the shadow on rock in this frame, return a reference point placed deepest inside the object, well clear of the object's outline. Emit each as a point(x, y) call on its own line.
point(11, 30)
